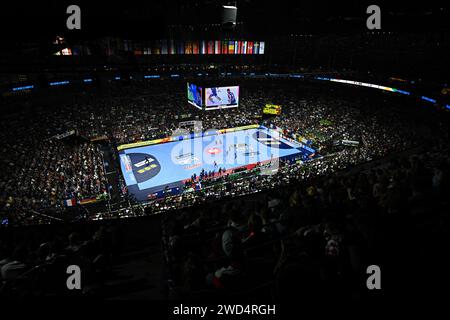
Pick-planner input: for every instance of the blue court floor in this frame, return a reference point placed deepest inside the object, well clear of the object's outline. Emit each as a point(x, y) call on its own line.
point(151, 169)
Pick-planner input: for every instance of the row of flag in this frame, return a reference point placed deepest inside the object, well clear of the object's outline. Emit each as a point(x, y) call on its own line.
point(197, 47)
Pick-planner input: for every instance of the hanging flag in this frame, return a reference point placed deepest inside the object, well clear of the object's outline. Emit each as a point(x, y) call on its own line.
point(231, 47)
point(261, 47)
point(172, 49)
point(70, 202)
point(195, 47)
point(217, 46)
point(163, 45)
point(210, 47)
point(203, 47)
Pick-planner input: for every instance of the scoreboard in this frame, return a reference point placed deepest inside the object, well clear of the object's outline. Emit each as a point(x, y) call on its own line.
point(272, 109)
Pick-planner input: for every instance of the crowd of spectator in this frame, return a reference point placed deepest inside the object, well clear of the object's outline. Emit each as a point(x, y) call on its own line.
point(310, 228)
point(313, 240)
point(34, 264)
point(44, 171)
point(41, 172)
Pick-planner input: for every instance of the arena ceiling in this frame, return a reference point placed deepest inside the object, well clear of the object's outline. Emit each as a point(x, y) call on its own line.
point(325, 33)
point(152, 19)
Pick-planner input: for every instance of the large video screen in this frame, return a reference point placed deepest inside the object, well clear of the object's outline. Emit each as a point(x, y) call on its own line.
point(221, 97)
point(272, 109)
point(194, 94)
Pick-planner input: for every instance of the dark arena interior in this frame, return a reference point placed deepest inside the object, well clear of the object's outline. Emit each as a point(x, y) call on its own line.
point(243, 156)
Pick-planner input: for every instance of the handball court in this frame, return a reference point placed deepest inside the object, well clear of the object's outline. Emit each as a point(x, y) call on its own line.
point(151, 171)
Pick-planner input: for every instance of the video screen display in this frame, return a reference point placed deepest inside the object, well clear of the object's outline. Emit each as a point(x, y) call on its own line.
point(194, 95)
point(272, 109)
point(221, 97)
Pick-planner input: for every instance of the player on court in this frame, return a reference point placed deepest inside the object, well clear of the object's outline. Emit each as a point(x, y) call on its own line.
point(213, 94)
point(231, 97)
